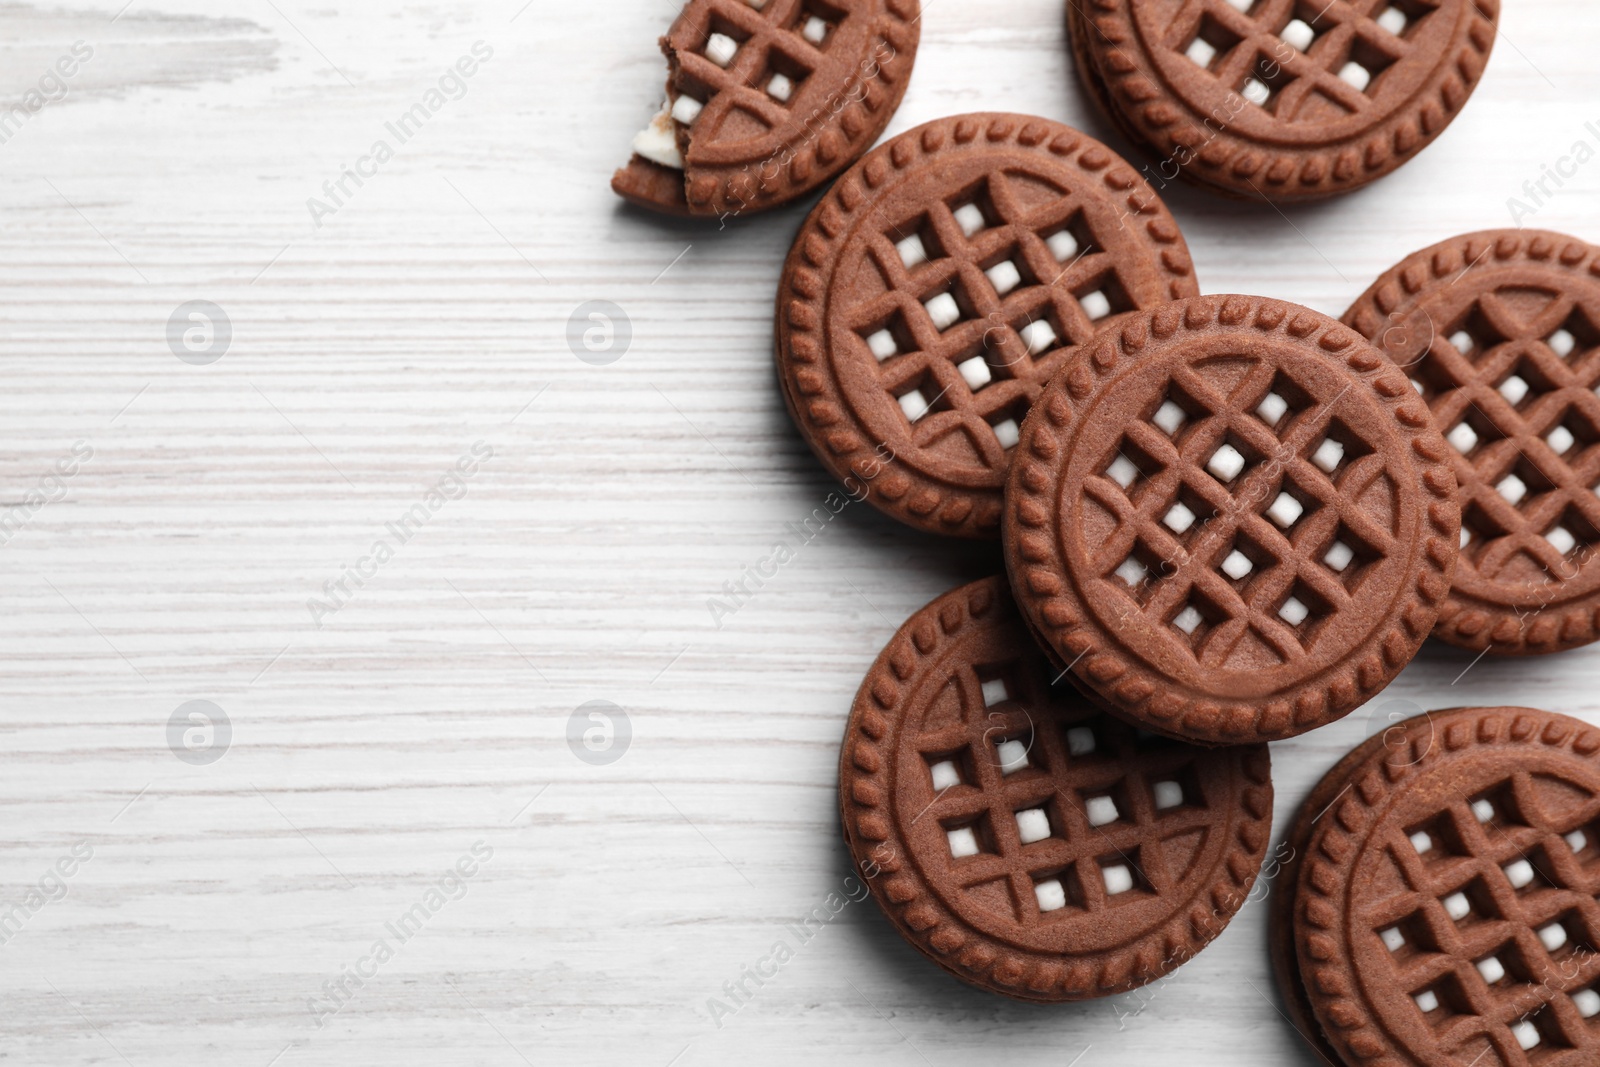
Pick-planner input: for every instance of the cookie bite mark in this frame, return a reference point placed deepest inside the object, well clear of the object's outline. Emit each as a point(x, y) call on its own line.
point(765, 101)
point(654, 175)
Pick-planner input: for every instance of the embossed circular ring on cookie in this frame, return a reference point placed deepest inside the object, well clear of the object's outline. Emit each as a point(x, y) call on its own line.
point(936, 288)
point(1024, 841)
point(1500, 334)
point(767, 100)
point(1284, 99)
point(1440, 907)
point(1232, 519)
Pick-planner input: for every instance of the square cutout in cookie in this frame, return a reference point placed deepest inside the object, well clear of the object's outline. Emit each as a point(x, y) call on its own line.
point(1584, 843)
point(1363, 68)
point(1462, 437)
point(945, 310)
point(1436, 840)
point(1263, 86)
point(1135, 570)
point(1347, 556)
point(1033, 824)
point(1574, 537)
point(1566, 935)
point(1502, 968)
point(914, 404)
point(1279, 406)
point(1103, 808)
point(1211, 41)
point(1167, 794)
point(1081, 741)
point(1299, 33)
point(1520, 873)
point(1070, 241)
point(1539, 1034)
point(945, 774)
point(1336, 449)
point(1013, 754)
point(814, 21)
point(995, 691)
point(920, 397)
point(888, 337)
point(1187, 515)
point(1121, 876)
point(1472, 334)
point(1470, 904)
point(1430, 376)
point(1007, 431)
point(1573, 435)
point(916, 242)
point(1303, 611)
point(1575, 338)
point(784, 74)
point(1195, 618)
point(1130, 467)
point(1176, 412)
point(963, 841)
point(1285, 510)
point(1408, 938)
point(1393, 20)
point(720, 48)
point(1523, 485)
point(969, 837)
point(1057, 890)
point(1497, 808)
point(1102, 297)
point(1442, 1001)
point(1038, 336)
point(1004, 276)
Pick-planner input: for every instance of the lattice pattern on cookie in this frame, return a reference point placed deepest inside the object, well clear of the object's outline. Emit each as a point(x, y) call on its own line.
point(1302, 61)
point(748, 62)
point(983, 290)
point(1514, 392)
point(1495, 935)
point(1060, 815)
point(1238, 512)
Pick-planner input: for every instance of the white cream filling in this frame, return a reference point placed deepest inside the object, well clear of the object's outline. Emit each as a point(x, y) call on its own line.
point(658, 142)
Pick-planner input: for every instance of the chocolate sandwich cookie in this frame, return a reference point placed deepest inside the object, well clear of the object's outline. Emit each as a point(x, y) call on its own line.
point(1231, 518)
point(940, 283)
point(1441, 909)
point(1024, 841)
point(1281, 99)
point(1396, 739)
point(1500, 334)
point(767, 100)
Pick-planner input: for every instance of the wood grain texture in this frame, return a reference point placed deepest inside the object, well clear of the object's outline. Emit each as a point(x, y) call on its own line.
point(369, 354)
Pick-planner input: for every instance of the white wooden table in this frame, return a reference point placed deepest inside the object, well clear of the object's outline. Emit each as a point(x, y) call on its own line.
point(378, 736)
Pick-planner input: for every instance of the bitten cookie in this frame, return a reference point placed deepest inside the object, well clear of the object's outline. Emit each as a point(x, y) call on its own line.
point(1022, 840)
point(1281, 99)
point(936, 288)
point(1231, 518)
point(1441, 906)
point(767, 100)
point(1499, 333)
